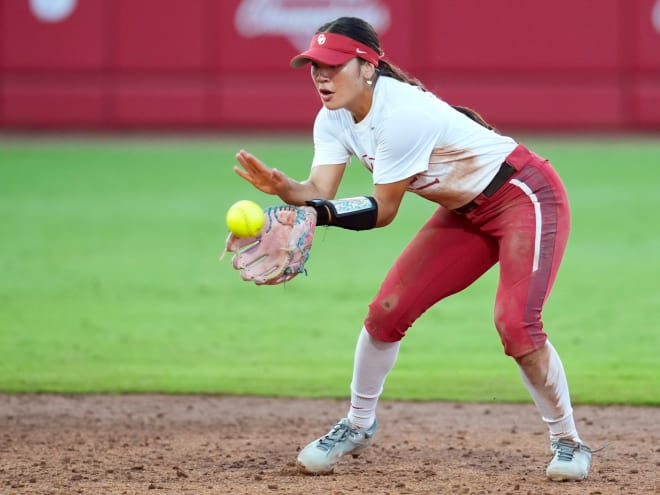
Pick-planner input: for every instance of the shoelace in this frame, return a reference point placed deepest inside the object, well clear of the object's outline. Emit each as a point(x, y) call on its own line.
point(338, 433)
point(566, 450)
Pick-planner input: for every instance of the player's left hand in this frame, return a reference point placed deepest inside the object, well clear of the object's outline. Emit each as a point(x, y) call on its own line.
point(279, 252)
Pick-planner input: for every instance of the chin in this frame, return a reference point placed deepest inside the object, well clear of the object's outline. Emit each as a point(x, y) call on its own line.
point(330, 105)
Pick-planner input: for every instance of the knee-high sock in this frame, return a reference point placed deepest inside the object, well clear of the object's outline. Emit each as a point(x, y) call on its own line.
point(373, 361)
point(552, 398)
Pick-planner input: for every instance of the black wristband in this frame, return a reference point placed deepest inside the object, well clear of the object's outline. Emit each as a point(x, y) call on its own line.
point(322, 211)
point(359, 213)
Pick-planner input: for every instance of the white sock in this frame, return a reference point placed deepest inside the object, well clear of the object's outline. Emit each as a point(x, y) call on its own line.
point(373, 361)
point(553, 399)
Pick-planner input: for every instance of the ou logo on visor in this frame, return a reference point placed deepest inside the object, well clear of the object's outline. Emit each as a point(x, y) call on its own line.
point(321, 39)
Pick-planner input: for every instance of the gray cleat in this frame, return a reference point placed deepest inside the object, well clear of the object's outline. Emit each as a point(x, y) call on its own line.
point(571, 461)
point(321, 456)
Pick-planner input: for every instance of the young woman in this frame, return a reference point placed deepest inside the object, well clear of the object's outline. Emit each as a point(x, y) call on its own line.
point(497, 202)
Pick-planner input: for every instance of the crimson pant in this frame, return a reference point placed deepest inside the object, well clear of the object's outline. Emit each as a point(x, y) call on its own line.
point(524, 226)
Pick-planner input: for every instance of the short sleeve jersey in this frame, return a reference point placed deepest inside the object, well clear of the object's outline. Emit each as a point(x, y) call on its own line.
point(409, 132)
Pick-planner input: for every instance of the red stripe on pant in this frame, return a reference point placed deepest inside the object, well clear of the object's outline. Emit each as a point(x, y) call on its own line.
point(524, 226)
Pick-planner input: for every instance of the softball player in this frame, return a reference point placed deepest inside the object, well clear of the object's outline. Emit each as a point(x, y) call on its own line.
point(497, 202)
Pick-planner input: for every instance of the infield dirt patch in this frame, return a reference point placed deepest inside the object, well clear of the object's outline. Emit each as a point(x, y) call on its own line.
point(134, 444)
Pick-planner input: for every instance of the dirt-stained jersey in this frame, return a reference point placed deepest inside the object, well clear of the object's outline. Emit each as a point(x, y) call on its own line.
point(413, 133)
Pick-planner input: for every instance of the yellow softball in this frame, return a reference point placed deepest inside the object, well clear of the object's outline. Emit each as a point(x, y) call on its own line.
point(245, 218)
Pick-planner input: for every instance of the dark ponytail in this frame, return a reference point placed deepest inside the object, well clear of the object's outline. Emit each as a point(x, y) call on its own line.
point(360, 30)
point(474, 116)
point(387, 69)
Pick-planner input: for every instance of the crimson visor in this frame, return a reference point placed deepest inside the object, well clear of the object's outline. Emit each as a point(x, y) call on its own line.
point(334, 49)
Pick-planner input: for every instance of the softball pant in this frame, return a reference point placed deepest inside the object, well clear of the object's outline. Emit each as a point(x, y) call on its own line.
point(523, 225)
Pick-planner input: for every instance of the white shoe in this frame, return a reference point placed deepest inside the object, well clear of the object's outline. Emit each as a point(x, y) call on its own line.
point(571, 461)
point(321, 456)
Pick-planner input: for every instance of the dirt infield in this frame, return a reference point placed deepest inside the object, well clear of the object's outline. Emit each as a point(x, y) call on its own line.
point(133, 444)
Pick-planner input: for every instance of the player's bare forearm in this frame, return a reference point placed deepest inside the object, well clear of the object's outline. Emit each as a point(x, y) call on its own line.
point(297, 193)
point(323, 181)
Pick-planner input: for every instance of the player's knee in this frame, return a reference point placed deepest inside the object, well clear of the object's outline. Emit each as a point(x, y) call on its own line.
point(383, 322)
point(519, 337)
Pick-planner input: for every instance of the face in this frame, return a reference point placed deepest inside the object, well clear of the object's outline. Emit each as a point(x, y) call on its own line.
point(343, 86)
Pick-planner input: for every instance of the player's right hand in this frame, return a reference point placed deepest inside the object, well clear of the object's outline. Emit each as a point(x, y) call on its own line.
point(266, 179)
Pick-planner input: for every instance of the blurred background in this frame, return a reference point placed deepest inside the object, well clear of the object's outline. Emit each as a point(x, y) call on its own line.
point(119, 124)
point(223, 64)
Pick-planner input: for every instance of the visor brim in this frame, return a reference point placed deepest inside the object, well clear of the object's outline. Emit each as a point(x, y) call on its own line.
point(321, 56)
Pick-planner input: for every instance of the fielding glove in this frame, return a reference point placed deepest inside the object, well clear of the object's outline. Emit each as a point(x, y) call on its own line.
point(279, 252)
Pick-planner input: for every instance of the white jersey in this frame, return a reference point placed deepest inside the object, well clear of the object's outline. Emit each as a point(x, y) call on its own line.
point(412, 133)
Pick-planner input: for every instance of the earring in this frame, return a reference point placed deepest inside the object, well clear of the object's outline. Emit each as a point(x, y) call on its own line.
point(369, 82)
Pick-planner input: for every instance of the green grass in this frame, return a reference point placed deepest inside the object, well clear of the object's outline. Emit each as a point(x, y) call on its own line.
point(110, 280)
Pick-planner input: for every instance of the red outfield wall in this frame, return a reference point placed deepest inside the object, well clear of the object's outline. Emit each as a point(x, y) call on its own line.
point(223, 64)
